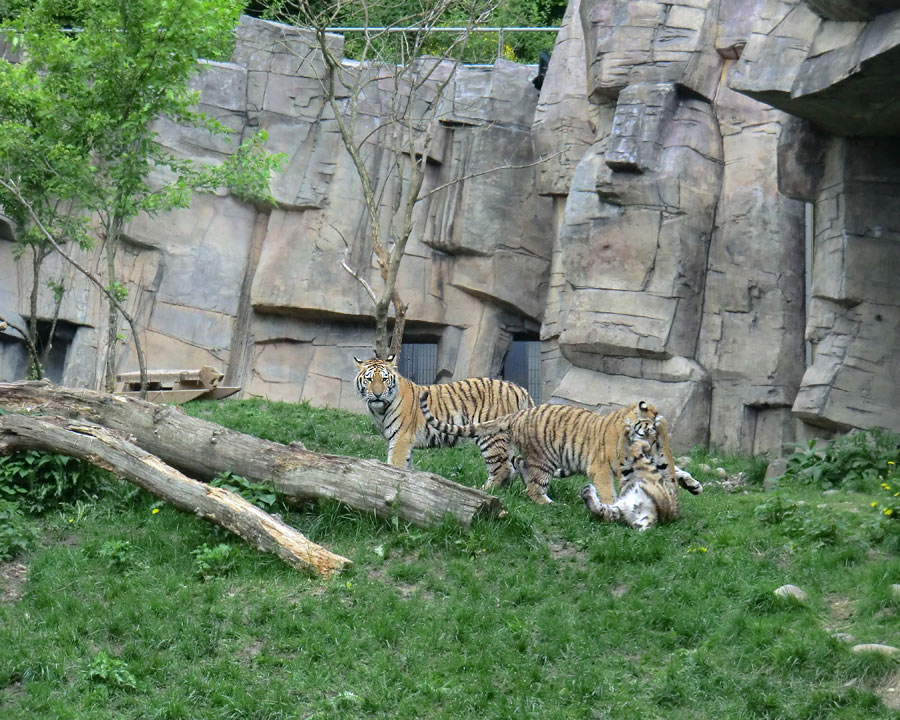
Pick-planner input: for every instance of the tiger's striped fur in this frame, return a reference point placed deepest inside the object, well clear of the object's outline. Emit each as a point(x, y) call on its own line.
point(563, 437)
point(392, 401)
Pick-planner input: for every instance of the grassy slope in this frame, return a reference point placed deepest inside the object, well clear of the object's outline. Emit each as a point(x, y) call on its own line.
point(543, 614)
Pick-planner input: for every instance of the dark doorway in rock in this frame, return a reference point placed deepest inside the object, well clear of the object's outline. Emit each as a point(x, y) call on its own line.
point(522, 364)
point(418, 361)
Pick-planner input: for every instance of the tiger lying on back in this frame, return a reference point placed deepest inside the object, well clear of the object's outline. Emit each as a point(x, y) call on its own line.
point(393, 404)
point(649, 493)
point(564, 437)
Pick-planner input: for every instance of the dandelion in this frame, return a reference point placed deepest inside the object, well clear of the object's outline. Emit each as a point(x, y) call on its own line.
point(874, 503)
point(891, 462)
point(888, 511)
point(71, 519)
point(885, 486)
point(154, 511)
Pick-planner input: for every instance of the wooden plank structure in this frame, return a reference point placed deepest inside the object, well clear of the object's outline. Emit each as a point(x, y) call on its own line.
point(176, 386)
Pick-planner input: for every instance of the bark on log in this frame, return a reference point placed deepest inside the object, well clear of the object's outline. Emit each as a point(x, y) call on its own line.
point(203, 449)
point(99, 446)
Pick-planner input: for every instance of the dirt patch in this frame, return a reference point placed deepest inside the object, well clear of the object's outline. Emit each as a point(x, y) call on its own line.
point(841, 607)
point(13, 578)
point(889, 691)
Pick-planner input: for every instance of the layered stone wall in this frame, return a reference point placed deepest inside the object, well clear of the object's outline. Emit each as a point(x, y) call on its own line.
point(717, 228)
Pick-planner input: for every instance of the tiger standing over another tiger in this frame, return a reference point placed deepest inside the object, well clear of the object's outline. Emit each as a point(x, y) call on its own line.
point(566, 438)
point(649, 492)
point(393, 403)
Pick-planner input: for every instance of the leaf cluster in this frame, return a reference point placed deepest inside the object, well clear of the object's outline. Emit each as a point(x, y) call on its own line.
point(522, 47)
point(856, 461)
point(41, 481)
point(82, 98)
point(16, 533)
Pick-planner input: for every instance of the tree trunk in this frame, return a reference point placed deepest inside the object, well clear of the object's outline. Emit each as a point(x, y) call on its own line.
point(103, 448)
point(203, 449)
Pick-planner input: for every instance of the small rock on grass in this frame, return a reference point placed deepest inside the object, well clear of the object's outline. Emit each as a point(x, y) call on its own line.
point(875, 648)
point(843, 637)
point(791, 591)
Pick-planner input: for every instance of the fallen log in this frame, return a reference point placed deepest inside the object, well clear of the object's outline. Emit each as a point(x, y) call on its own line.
point(203, 450)
point(99, 446)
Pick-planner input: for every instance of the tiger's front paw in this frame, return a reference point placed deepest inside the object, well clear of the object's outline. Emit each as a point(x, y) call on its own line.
point(687, 481)
point(588, 492)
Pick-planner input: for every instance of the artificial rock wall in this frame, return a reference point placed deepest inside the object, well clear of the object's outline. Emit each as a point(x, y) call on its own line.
point(717, 229)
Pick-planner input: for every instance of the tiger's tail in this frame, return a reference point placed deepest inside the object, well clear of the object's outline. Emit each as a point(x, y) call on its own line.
point(490, 427)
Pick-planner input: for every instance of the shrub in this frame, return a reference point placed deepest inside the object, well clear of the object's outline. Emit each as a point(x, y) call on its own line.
point(16, 535)
point(214, 561)
point(40, 480)
point(110, 671)
point(263, 496)
point(856, 461)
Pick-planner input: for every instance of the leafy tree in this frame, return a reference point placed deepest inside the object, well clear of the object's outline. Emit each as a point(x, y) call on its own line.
point(93, 77)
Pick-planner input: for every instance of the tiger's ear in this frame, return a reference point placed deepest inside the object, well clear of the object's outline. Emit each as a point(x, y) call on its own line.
point(359, 363)
point(392, 360)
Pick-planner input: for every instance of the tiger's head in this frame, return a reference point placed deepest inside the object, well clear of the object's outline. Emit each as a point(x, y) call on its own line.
point(645, 427)
point(376, 380)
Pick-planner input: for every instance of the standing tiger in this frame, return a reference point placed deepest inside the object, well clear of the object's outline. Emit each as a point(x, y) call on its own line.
point(565, 438)
point(393, 404)
point(649, 493)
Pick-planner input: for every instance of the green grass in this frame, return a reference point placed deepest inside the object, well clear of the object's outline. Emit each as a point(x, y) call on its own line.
point(541, 614)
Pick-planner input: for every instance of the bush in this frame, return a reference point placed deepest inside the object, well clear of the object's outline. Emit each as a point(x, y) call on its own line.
point(857, 461)
point(16, 535)
point(39, 481)
point(261, 495)
point(214, 561)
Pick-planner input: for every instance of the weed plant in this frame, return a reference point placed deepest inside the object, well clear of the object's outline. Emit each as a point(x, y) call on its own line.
point(133, 610)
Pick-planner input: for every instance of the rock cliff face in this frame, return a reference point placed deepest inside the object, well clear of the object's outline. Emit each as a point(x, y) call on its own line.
point(724, 177)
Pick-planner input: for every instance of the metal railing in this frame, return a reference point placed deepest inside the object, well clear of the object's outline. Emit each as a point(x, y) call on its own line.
point(414, 28)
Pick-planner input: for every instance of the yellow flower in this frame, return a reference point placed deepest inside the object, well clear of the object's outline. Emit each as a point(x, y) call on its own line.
point(890, 462)
point(154, 511)
point(885, 486)
point(874, 503)
point(888, 511)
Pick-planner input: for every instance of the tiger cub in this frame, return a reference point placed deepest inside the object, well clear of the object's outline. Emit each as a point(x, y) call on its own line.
point(392, 401)
point(649, 493)
point(564, 438)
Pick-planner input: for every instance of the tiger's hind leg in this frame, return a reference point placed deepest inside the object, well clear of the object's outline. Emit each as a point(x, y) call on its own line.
point(497, 456)
point(604, 511)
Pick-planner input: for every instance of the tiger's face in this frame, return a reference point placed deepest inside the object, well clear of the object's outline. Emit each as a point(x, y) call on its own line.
point(376, 380)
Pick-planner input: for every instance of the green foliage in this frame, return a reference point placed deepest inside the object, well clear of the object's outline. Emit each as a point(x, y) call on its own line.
point(856, 461)
point(888, 503)
point(214, 561)
point(40, 481)
point(118, 554)
point(820, 525)
point(77, 114)
point(110, 671)
point(261, 495)
point(523, 47)
point(16, 533)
